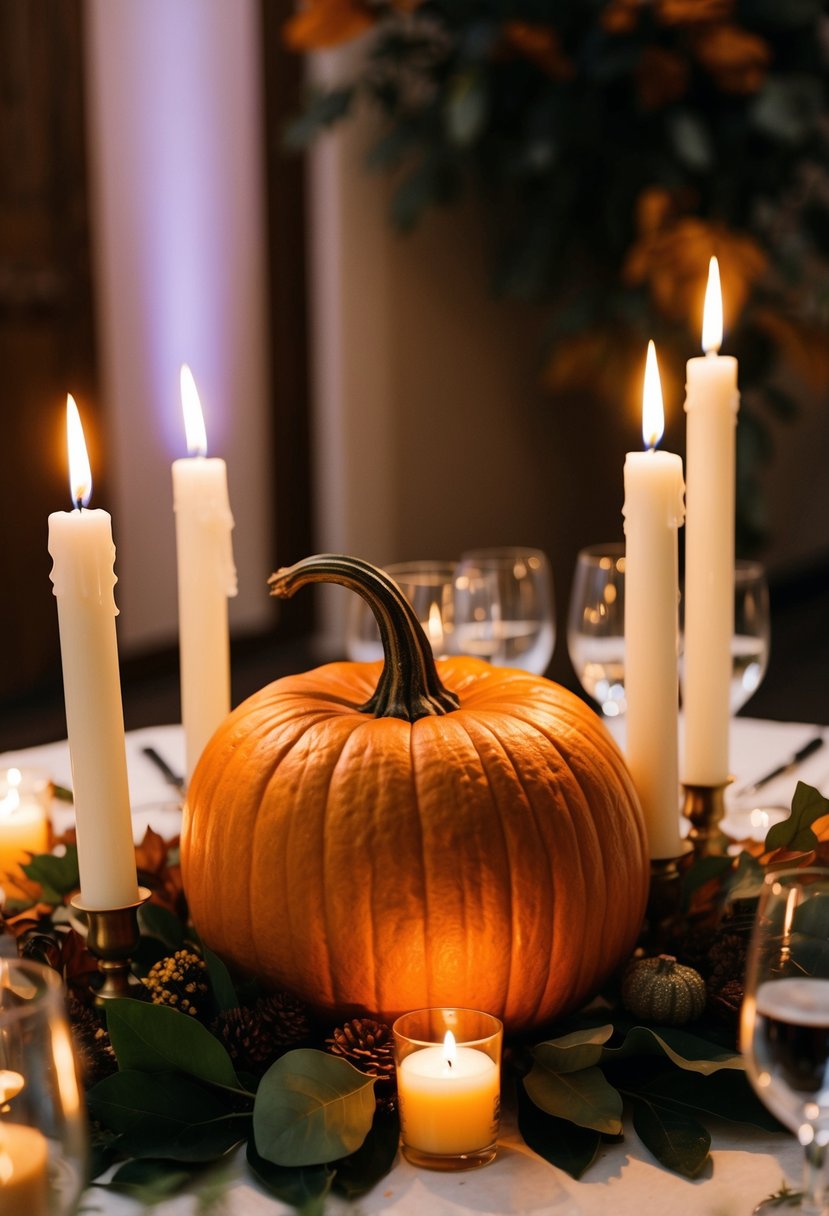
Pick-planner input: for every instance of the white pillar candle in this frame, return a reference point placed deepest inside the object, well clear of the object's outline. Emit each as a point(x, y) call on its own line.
point(653, 511)
point(206, 577)
point(711, 403)
point(83, 577)
point(449, 1099)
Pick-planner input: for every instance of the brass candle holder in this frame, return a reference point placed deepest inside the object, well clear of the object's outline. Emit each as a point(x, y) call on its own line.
point(704, 808)
point(113, 936)
point(663, 913)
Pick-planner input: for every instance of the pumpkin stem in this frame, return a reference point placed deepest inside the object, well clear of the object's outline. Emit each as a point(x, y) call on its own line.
point(409, 686)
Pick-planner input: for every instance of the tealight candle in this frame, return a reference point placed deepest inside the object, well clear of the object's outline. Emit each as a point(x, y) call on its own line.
point(24, 827)
point(449, 1091)
point(24, 1157)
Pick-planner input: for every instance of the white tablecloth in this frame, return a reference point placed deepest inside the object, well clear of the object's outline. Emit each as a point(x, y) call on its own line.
point(745, 1165)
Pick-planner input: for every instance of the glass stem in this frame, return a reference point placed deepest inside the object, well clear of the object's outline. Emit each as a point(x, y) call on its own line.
point(814, 1187)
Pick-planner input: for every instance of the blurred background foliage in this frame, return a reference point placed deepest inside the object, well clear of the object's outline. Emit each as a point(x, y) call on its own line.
point(618, 144)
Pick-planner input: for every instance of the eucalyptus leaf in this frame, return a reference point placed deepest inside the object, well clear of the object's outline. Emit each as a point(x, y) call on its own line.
point(795, 833)
point(221, 985)
point(722, 1094)
point(167, 1115)
point(357, 1174)
point(161, 923)
point(687, 1051)
point(304, 1187)
point(311, 1108)
point(585, 1097)
point(558, 1141)
point(677, 1140)
point(748, 879)
point(58, 875)
point(149, 1181)
point(155, 1038)
point(702, 871)
point(574, 1051)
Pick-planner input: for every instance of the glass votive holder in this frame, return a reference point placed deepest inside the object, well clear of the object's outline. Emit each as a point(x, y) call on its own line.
point(449, 1086)
point(25, 802)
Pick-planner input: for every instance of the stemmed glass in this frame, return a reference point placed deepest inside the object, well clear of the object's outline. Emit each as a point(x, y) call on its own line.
point(428, 587)
point(596, 625)
point(784, 1031)
point(504, 607)
point(42, 1126)
point(752, 631)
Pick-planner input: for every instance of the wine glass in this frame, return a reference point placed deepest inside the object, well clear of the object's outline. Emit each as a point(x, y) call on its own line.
point(784, 1028)
point(596, 625)
point(428, 587)
point(752, 631)
point(42, 1125)
point(504, 607)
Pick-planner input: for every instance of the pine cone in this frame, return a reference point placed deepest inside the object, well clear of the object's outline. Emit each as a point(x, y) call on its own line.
point(727, 1002)
point(368, 1046)
point(726, 961)
point(247, 1043)
point(284, 1017)
point(692, 949)
point(180, 981)
point(91, 1042)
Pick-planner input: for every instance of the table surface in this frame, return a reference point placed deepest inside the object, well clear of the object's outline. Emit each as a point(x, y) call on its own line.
point(745, 1164)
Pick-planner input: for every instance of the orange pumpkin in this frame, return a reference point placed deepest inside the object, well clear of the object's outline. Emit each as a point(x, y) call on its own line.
point(471, 838)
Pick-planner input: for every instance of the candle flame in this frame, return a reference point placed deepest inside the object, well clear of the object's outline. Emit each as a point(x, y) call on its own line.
point(11, 1084)
point(80, 474)
point(712, 311)
point(193, 416)
point(434, 626)
point(449, 1048)
point(653, 413)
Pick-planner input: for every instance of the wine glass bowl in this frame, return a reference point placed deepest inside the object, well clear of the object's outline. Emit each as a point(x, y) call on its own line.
point(596, 625)
point(428, 587)
point(752, 631)
point(42, 1125)
point(784, 1028)
point(504, 608)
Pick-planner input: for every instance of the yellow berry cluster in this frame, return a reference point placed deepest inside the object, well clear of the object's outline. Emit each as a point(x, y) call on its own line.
point(177, 980)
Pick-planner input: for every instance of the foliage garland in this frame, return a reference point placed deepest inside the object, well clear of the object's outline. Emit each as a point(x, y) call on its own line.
point(168, 1101)
point(617, 144)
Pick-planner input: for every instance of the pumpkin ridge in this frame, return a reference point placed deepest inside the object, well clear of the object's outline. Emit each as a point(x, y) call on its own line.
point(423, 870)
point(332, 971)
point(478, 722)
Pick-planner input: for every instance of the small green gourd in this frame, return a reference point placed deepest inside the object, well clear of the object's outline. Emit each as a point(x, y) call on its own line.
point(664, 991)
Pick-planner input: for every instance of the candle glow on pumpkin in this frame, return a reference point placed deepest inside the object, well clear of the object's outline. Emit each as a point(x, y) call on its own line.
point(712, 323)
point(653, 411)
point(193, 416)
point(80, 474)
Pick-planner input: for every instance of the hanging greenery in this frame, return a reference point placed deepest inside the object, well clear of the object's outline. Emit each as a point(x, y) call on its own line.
point(618, 144)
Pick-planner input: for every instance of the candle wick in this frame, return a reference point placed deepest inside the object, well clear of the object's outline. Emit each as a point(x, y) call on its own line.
point(449, 1062)
point(79, 504)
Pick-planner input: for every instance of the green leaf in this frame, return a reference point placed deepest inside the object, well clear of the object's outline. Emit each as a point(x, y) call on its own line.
point(687, 1051)
point(748, 879)
point(304, 1187)
point(222, 987)
point(795, 833)
point(149, 1181)
point(155, 1038)
point(310, 1108)
point(322, 111)
point(558, 1141)
point(702, 871)
point(57, 875)
point(357, 1174)
point(723, 1094)
point(167, 1115)
point(161, 923)
point(677, 1140)
point(465, 113)
point(585, 1097)
point(574, 1051)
